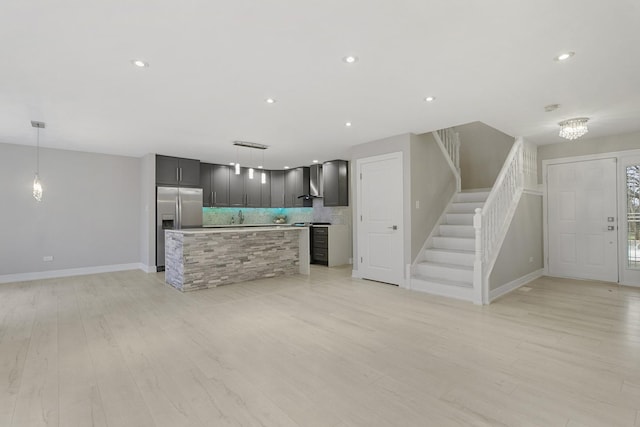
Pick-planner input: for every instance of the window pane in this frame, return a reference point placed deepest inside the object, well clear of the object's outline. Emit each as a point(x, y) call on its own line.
point(633, 216)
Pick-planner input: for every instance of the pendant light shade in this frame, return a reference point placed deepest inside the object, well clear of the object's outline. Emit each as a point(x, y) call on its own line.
point(37, 185)
point(250, 173)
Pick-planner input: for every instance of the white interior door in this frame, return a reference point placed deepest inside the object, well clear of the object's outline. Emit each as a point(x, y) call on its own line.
point(582, 220)
point(379, 216)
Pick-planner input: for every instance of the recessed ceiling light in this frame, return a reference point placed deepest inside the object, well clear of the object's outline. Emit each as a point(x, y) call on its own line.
point(270, 101)
point(231, 163)
point(430, 98)
point(139, 63)
point(348, 124)
point(564, 56)
point(314, 161)
point(259, 167)
point(350, 59)
point(286, 167)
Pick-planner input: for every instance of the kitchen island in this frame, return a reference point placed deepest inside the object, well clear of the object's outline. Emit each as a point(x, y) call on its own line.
point(202, 258)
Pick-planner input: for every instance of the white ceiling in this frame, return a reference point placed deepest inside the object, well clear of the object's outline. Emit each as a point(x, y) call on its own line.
point(213, 63)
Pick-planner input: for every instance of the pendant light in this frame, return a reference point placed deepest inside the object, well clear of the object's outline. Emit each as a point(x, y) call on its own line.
point(237, 162)
point(37, 185)
point(251, 163)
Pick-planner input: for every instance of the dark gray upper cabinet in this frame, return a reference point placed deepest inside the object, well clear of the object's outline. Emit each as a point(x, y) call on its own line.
point(335, 175)
point(214, 180)
point(252, 189)
point(296, 183)
point(236, 188)
point(205, 184)
point(177, 171)
point(277, 189)
point(220, 184)
point(265, 188)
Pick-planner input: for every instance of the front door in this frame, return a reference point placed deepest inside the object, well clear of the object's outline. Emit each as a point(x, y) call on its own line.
point(379, 217)
point(630, 221)
point(582, 220)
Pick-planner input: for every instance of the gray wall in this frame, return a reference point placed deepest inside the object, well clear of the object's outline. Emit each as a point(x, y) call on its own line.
point(432, 184)
point(523, 241)
point(400, 143)
point(483, 151)
point(89, 215)
point(583, 147)
point(147, 211)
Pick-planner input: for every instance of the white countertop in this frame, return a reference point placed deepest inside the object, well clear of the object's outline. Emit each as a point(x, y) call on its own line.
point(245, 225)
point(236, 229)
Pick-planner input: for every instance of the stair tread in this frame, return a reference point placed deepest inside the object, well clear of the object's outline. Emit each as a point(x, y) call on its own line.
point(447, 265)
point(455, 237)
point(442, 281)
point(452, 251)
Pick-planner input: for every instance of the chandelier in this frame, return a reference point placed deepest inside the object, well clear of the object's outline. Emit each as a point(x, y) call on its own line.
point(574, 128)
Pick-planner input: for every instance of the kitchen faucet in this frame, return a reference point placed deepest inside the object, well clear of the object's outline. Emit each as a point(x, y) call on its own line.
point(240, 217)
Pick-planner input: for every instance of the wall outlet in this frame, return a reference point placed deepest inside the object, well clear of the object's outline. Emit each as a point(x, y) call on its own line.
point(47, 258)
point(417, 204)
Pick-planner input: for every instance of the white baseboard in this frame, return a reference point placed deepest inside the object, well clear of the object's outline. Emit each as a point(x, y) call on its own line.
point(515, 284)
point(148, 268)
point(52, 274)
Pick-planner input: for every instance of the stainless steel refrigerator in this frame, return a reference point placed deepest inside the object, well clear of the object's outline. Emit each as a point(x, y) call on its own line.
point(176, 208)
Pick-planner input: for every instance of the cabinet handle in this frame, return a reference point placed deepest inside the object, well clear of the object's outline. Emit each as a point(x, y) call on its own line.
point(215, 197)
point(178, 174)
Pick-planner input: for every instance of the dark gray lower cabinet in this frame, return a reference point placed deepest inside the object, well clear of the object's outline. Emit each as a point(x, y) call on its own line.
point(320, 245)
point(335, 175)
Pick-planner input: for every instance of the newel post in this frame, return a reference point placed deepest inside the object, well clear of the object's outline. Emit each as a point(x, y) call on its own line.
point(478, 284)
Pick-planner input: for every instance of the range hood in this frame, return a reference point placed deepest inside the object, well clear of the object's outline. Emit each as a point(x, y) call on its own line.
point(315, 183)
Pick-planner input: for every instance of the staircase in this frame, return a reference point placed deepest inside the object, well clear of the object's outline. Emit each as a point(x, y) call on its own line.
point(445, 266)
point(462, 249)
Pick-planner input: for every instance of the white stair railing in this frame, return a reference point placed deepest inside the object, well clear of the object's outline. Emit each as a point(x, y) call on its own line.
point(449, 142)
point(491, 223)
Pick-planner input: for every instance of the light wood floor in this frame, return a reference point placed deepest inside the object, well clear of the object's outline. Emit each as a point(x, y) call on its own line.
point(123, 349)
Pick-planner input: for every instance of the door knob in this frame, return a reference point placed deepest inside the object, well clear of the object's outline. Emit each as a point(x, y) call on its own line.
point(610, 228)
point(394, 227)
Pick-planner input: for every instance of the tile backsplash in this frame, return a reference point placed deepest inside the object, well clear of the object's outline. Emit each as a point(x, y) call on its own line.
point(222, 216)
point(318, 213)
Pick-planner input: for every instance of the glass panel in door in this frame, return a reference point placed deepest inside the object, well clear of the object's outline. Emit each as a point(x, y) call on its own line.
point(633, 217)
